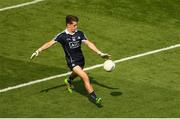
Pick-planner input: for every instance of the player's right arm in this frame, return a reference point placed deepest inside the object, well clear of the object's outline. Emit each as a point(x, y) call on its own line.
point(43, 47)
point(95, 49)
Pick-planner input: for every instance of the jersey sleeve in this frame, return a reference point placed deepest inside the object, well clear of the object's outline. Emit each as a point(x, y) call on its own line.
point(83, 36)
point(58, 38)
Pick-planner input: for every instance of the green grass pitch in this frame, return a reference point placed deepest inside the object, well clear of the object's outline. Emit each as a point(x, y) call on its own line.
point(144, 87)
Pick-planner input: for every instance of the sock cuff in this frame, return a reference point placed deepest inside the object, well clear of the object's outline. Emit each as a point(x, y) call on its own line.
point(93, 95)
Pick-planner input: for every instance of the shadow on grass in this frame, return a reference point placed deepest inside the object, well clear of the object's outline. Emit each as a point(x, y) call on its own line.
point(116, 93)
point(14, 72)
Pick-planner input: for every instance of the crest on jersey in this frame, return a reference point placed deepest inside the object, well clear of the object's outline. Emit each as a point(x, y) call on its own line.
point(74, 38)
point(79, 37)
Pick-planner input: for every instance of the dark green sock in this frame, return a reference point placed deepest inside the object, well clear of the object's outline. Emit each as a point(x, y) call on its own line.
point(93, 95)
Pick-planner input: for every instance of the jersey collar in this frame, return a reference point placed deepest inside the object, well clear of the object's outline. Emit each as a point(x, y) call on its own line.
point(67, 32)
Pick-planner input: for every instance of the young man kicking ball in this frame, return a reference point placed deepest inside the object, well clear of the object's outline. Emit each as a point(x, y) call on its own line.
point(71, 39)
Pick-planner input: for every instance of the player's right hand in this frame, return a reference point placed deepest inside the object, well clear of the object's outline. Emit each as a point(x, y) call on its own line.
point(35, 54)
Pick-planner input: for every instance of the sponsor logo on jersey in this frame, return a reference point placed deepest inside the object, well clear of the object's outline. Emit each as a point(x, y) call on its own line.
point(74, 44)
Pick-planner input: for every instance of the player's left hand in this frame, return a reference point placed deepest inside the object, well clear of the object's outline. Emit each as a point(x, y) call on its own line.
point(105, 55)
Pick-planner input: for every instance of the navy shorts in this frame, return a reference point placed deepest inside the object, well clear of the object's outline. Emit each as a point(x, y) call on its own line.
point(79, 63)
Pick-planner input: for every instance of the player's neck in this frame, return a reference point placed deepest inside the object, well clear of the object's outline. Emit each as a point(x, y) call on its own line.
point(70, 31)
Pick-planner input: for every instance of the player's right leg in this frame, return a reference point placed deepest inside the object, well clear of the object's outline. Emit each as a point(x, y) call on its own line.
point(83, 75)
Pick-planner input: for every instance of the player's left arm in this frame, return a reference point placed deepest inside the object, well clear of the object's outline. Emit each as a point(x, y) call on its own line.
point(95, 49)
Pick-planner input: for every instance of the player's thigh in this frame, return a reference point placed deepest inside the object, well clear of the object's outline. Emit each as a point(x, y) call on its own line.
point(81, 73)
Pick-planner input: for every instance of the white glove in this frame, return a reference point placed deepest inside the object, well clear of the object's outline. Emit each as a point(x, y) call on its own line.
point(104, 55)
point(35, 54)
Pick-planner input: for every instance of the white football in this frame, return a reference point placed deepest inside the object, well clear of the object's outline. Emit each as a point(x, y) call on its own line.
point(109, 65)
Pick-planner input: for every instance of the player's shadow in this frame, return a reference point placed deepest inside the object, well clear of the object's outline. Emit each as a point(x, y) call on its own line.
point(79, 88)
point(52, 88)
point(93, 81)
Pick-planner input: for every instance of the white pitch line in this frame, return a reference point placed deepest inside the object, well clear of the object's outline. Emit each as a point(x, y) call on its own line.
point(90, 68)
point(20, 5)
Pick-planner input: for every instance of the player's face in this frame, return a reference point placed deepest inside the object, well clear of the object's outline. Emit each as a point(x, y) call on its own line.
point(73, 26)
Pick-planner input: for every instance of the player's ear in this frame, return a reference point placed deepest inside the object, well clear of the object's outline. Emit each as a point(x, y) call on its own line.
point(67, 25)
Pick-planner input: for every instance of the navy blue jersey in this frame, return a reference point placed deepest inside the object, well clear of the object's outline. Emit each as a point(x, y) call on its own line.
point(71, 44)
